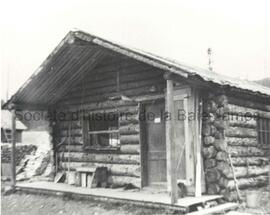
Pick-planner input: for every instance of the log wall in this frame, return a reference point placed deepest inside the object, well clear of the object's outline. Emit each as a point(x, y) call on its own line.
point(91, 94)
point(228, 131)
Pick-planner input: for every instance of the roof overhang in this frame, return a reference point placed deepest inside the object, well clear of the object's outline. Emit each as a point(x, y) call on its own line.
point(79, 52)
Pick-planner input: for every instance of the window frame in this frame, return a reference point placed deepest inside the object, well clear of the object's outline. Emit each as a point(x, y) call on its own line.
point(87, 132)
point(263, 133)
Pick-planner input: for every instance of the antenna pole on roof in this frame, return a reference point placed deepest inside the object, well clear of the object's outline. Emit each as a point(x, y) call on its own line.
point(7, 92)
point(209, 52)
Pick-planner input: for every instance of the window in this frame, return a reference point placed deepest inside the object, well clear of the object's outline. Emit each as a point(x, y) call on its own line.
point(102, 131)
point(264, 131)
point(6, 136)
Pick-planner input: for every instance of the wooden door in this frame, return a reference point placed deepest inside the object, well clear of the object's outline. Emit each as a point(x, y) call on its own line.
point(184, 136)
point(156, 144)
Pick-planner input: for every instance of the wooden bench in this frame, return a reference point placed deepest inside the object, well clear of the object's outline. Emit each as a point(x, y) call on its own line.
point(92, 177)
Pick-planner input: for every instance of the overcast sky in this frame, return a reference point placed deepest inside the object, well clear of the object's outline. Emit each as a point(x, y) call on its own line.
point(237, 31)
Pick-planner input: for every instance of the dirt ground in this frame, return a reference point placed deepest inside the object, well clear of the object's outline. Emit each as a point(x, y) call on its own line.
point(28, 204)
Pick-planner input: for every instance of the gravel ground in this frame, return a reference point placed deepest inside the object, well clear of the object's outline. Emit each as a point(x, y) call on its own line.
point(29, 204)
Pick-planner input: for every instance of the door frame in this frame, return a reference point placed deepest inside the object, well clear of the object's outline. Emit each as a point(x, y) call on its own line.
point(143, 142)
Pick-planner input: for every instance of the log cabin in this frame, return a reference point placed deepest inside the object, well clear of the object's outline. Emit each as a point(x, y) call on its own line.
point(152, 122)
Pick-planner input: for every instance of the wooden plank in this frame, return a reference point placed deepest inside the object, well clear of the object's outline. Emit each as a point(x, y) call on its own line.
point(189, 201)
point(170, 145)
point(187, 144)
point(143, 149)
point(217, 209)
point(198, 137)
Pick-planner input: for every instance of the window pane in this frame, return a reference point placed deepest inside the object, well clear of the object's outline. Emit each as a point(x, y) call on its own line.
point(264, 131)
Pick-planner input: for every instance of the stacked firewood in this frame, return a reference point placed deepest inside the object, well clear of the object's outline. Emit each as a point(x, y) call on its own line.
point(21, 151)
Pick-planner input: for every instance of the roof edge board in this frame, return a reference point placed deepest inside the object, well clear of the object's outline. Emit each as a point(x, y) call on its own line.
point(129, 53)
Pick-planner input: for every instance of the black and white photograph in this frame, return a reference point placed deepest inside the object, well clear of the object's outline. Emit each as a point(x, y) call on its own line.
point(135, 107)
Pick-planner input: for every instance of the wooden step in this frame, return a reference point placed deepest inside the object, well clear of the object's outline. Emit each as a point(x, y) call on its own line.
point(191, 200)
point(217, 209)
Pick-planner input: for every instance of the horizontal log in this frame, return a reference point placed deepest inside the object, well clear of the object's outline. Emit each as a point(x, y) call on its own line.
point(114, 169)
point(124, 180)
point(97, 106)
point(238, 141)
point(129, 129)
point(124, 149)
point(239, 151)
point(240, 132)
point(243, 161)
point(104, 97)
point(130, 139)
point(125, 111)
point(130, 149)
point(112, 87)
point(249, 104)
point(244, 182)
point(92, 91)
point(235, 121)
point(259, 161)
point(243, 151)
point(248, 112)
point(101, 158)
point(129, 118)
point(240, 171)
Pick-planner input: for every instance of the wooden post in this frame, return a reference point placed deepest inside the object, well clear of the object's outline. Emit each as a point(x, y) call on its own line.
point(198, 127)
point(13, 147)
point(171, 155)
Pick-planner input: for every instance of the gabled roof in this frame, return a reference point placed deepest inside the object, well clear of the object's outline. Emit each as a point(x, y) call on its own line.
point(79, 52)
point(6, 117)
